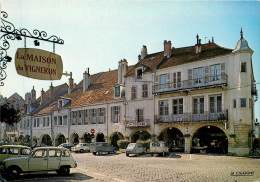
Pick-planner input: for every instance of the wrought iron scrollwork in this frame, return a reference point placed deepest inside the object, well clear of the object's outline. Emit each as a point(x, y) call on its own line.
point(11, 33)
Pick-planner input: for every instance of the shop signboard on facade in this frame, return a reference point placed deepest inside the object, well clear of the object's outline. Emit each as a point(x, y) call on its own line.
point(38, 64)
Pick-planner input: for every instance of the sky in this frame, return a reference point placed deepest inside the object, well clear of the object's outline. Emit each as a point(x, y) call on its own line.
point(98, 34)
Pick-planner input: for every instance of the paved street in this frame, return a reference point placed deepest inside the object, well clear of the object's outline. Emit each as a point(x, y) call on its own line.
point(183, 168)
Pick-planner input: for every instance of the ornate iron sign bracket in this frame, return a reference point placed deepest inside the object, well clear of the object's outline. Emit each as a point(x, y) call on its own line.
point(11, 33)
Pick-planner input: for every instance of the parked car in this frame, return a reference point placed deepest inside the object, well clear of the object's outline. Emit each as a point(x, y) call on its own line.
point(41, 159)
point(66, 145)
point(81, 147)
point(102, 148)
point(158, 147)
point(7, 151)
point(155, 147)
point(135, 148)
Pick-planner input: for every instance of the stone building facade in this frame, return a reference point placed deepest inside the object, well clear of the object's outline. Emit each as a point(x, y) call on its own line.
point(196, 98)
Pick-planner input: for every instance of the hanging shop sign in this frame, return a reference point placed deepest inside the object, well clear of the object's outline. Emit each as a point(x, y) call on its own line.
point(38, 64)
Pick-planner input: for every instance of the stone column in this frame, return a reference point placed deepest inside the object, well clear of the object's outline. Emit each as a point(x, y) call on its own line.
point(187, 146)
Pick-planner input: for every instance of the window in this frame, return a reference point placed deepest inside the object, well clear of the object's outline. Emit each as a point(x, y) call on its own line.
point(117, 91)
point(198, 75)
point(54, 153)
point(28, 123)
point(43, 122)
point(234, 103)
point(215, 103)
point(139, 115)
point(34, 123)
point(145, 90)
point(101, 115)
point(65, 118)
point(115, 114)
point(25, 151)
point(55, 120)
point(198, 105)
point(60, 104)
point(133, 92)
point(139, 73)
point(215, 72)
point(163, 107)
point(80, 117)
point(243, 102)
point(93, 116)
point(177, 79)
point(48, 121)
point(74, 117)
point(243, 67)
point(65, 153)
point(38, 122)
point(60, 120)
point(40, 153)
point(177, 106)
point(86, 121)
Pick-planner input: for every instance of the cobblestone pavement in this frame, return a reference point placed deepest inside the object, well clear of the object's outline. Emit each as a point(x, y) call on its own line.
point(185, 168)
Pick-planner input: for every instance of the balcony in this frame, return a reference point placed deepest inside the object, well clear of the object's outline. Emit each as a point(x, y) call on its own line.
point(186, 85)
point(137, 124)
point(189, 117)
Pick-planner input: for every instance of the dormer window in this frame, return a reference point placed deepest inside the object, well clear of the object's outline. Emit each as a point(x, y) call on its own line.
point(117, 91)
point(60, 104)
point(139, 73)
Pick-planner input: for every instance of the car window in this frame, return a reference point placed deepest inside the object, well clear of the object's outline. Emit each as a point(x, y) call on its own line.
point(54, 153)
point(2, 150)
point(25, 151)
point(14, 151)
point(65, 153)
point(40, 153)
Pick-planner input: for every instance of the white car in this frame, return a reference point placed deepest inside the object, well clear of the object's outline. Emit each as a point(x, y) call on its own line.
point(40, 159)
point(81, 147)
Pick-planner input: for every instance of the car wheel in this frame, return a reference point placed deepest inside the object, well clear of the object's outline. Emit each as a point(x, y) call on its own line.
point(13, 172)
point(127, 154)
point(81, 151)
point(64, 170)
point(94, 153)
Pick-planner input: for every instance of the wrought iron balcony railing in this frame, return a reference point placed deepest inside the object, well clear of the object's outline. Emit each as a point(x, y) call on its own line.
point(207, 81)
point(136, 123)
point(189, 117)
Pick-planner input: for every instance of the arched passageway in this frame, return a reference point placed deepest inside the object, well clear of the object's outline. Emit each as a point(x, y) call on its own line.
point(74, 139)
point(211, 139)
point(100, 137)
point(87, 137)
point(115, 137)
point(60, 139)
point(46, 140)
point(173, 139)
point(140, 135)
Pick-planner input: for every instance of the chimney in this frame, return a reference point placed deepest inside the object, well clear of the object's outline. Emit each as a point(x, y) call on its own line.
point(42, 99)
point(51, 90)
point(167, 48)
point(33, 94)
point(122, 70)
point(71, 83)
point(143, 52)
point(86, 80)
point(198, 45)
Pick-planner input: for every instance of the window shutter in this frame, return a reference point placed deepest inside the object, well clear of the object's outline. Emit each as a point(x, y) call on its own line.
point(174, 80)
point(156, 79)
point(189, 77)
point(222, 69)
point(206, 74)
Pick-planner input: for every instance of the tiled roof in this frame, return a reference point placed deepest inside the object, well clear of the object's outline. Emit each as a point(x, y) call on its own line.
point(47, 109)
point(180, 56)
point(58, 91)
point(100, 90)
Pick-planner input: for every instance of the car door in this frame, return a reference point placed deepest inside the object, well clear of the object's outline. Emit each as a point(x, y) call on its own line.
point(54, 157)
point(38, 161)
